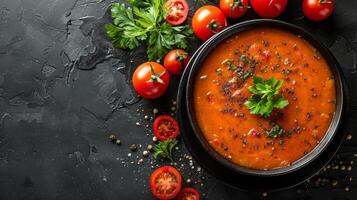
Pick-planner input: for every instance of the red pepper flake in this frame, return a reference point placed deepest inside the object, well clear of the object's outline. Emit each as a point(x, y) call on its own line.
point(254, 132)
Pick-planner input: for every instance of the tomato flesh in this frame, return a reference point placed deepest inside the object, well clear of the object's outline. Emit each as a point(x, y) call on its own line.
point(317, 10)
point(145, 85)
point(269, 8)
point(207, 21)
point(175, 61)
point(165, 128)
point(165, 182)
point(177, 11)
point(234, 8)
point(188, 194)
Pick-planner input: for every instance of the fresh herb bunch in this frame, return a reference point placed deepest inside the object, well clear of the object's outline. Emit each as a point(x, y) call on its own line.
point(274, 132)
point(165, 149)
point(144, 21)
point(265, 96)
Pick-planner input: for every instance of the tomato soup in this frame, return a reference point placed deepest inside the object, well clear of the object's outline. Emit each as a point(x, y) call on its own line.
point(220, 93)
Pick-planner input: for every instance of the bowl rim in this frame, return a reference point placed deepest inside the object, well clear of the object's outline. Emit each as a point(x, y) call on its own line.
point(249, 25)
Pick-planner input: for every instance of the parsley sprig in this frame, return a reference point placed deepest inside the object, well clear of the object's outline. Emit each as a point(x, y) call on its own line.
point(143, 21)
point(165, 149)
point(265, 96)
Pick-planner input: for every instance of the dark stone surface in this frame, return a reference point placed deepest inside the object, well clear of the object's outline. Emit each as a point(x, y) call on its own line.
point(64, 90)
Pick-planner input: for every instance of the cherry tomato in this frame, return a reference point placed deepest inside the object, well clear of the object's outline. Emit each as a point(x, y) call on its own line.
point(233, 8)
point(165, 128)
point(317, 10)
point(188, 194)
point(207, 21)
point(177, 11)
point(165, 182)
point(269, 8)
point(150, 80)
point(175, 61)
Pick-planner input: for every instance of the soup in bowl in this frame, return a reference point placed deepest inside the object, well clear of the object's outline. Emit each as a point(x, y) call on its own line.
point(263, 99)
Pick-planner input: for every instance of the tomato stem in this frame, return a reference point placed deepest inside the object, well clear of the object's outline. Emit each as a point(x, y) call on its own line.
point(181, 57)
point(213, 25)
point(325, 1)
point(237, 4)
point(155, 76)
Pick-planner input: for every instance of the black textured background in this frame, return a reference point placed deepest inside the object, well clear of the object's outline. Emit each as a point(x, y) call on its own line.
point(64, 90)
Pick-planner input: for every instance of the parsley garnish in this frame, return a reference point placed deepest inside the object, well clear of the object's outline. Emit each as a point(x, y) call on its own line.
point(230, 65)
point(275, 131)
point(145, 22)
point(265, 96)
point(165, 148)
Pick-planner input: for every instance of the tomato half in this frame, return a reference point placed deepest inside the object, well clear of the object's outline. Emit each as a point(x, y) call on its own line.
point(317, 10)
point(233, 8)
point(177, 11)
point(176, 60)
point(269, 8)
point(165, 182)
point(207, 21)
point(188, 194)
point(150, 80)
point(165, 128)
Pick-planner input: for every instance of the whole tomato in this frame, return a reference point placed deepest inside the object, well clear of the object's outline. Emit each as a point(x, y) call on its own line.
point(317, 10)
point(176, 60)
point(150, 80)
point(269, 8)
point(234, 8)
point(207, 21)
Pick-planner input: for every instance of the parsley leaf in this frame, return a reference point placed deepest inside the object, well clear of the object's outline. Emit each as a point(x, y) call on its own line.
point(275, 131)
point(144, 22)
point(165, 148)
point(265, 96)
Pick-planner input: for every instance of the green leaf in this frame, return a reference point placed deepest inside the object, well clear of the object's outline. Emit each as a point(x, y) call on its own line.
point(265, 96)
point(281, 103)
point(257, 80)
point(274, 132)
point(165, 149)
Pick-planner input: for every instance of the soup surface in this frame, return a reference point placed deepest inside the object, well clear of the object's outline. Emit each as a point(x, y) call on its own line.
point(221, 91)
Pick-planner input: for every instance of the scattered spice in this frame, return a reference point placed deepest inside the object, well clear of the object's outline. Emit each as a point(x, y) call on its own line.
point(149, 147)
point(133, 147)
point(145, 153)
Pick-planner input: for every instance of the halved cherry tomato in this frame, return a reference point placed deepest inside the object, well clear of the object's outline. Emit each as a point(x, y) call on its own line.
point(317, 10)
point(165, 182)
point(150, 80)
point(269, 8)
point(234, 8)
point(165, 128)
point(207, 21)
point(176, 60)
point(177, 11)
point(188, 194)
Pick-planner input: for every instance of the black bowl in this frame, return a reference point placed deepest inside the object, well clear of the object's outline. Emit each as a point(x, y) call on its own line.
point(332, 138)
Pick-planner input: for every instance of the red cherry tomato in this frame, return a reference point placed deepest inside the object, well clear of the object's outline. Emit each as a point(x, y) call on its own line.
point(317, 10)
point(188, 194)
point(165, 128)
point(233, 8)
point(177, 11)
point(165, 182)
point(150, 80)
point(175, 61)
point(269, 8)
point(207, 21)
